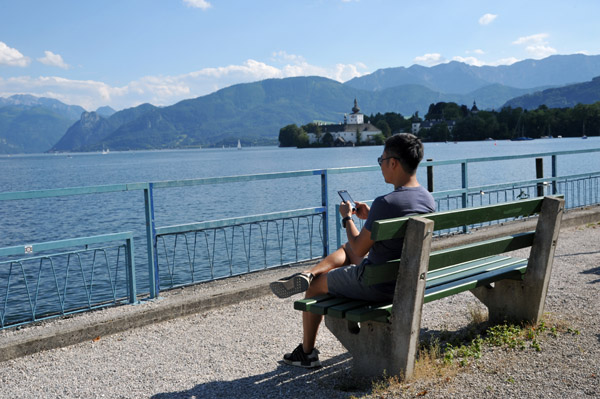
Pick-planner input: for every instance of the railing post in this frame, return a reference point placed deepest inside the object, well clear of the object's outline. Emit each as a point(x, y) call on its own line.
point(325, 204)
point(151, 241)
point(465, 186)
point(338, 226)
point(539, 174)
point(131, 271)
point(430, 176)
point(554, 174)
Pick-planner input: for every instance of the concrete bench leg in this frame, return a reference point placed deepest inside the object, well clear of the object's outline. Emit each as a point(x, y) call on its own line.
point(370, 345)
point(524, 300)
point(393, 347)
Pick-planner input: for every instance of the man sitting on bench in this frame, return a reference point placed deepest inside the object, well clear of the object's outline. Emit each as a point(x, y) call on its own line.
point(340, 273)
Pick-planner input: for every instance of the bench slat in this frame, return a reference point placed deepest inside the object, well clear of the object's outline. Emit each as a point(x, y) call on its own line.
point(339, 311)
point(463, 270)
point(305, 304)
point(374, 312)
point(441, 291)
point(375, 274)
point(322, 307)
point(465, 253)
point(396, 228)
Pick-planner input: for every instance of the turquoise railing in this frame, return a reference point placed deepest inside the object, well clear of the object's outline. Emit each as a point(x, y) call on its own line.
point(189, 253)
point(197, 248)
point(81, 278)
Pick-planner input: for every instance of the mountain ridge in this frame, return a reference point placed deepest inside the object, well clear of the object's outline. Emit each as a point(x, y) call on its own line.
point(254, 112)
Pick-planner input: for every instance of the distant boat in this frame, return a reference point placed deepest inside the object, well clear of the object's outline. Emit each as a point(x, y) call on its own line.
point(584, 137)
point(239, 145)
point(105, 150)
point(521, 138)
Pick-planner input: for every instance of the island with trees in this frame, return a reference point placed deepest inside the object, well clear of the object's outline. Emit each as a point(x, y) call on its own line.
point(448, 121)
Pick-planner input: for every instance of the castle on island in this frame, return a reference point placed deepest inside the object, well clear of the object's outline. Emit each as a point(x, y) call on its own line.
point(350, 132)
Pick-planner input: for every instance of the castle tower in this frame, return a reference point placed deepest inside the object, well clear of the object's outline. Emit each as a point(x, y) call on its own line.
point(356, 118)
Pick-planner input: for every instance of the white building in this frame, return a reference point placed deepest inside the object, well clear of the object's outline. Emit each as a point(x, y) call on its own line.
point(345, 133)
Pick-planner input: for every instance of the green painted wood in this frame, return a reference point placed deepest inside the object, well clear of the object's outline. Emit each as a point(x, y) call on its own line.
point(471, 269)
point(305, 304)
point(442, 291)
point(396, 228)
point(322, 307)
point(374, 312)
point(448, 273)
point(339, 311)
point(376, 274)
point(465, 253)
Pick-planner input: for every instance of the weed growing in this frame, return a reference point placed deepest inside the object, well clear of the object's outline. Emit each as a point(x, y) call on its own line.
point(508, 336)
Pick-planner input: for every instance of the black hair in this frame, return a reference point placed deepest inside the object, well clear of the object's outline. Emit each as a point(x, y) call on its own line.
point(407, 148)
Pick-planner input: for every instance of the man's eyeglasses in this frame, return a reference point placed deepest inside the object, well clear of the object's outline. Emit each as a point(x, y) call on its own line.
point(380, 159)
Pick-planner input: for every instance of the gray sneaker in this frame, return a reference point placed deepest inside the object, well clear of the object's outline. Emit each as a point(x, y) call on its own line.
point(294, 284)
point(300, 359)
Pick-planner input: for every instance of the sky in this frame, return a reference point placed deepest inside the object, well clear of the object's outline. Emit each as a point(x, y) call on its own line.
point(123, 53)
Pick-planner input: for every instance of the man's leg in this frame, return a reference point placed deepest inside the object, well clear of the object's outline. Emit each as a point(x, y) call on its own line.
point(310, 321)
point(300, 282)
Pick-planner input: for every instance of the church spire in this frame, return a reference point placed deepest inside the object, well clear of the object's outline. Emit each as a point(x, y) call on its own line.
point(355, 109)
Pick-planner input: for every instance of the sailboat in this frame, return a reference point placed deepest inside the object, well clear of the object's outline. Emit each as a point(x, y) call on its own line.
point(239, 147)
point(105, 150)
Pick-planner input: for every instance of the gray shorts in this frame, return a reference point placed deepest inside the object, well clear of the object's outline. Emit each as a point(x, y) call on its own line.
point(346, 281)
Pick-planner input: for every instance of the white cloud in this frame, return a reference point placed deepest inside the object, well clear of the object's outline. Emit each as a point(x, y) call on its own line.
point(167, 90)
point(537, 38)
point(540, 51)
point(469, 60)
point(430, 59)
point(536, 45)
point(487, 19)
point(504, 61)
point(203, 4)
point(52, 59)
point(12, 57)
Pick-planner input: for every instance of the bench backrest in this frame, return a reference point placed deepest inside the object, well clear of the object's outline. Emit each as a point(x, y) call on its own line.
point(396, 228)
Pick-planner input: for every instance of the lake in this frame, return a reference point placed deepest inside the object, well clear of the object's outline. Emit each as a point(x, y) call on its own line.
point(56, 218)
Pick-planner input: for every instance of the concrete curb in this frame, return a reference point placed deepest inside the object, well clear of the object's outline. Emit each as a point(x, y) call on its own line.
point(88, 326)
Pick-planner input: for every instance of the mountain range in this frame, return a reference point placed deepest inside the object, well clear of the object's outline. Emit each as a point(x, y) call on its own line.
point(254, 112)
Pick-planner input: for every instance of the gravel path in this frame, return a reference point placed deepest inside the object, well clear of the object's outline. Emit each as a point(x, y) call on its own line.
point(232, 353)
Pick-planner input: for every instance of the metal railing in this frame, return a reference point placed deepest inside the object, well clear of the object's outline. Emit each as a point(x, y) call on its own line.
point(200, 251)
point(35, 287)
point(223, 248)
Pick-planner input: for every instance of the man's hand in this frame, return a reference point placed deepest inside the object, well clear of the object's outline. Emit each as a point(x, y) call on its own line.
point(346, 209)
point(362, 210)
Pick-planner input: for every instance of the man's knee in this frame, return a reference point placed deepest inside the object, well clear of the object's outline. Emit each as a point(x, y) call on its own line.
point(318, 286)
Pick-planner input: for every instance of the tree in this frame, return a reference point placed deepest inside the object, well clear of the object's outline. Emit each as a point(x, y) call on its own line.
point(439, 132)
point(358, 136)
point(302, 140)
point(384, 127)
point(379, 139)
point(327, 139)
point(288, 135)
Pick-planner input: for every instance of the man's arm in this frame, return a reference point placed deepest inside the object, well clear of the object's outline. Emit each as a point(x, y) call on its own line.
point(360, 242)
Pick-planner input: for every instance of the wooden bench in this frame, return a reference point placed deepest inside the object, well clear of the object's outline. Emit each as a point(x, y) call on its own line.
point(384, 336)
